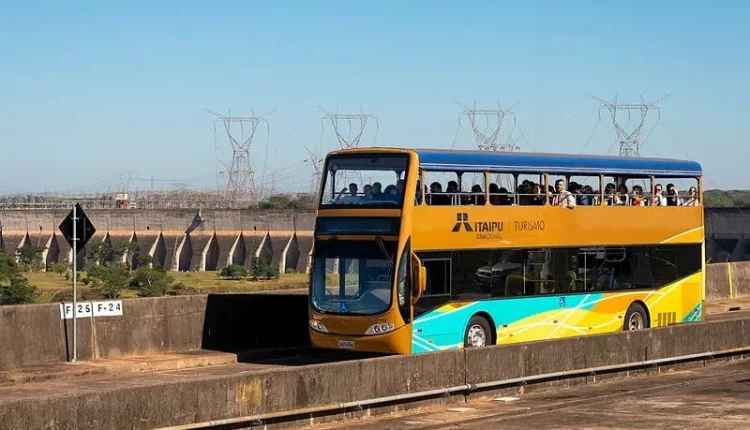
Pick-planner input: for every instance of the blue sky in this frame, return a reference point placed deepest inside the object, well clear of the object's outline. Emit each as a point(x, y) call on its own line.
point(89, 92)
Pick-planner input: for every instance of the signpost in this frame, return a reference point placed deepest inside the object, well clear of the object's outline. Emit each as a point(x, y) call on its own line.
point(77, 230)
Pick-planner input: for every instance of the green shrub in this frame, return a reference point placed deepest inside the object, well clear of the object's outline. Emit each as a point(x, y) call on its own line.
point(152, 282)
point(233, 271)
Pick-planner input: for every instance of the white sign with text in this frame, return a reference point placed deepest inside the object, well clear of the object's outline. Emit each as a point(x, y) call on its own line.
point(107, 308)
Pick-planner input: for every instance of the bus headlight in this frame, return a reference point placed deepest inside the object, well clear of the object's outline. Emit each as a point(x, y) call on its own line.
point(380, 328)
point(318, 326)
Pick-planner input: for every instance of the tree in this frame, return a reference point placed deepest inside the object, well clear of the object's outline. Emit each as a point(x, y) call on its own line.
point(14, 288)
point(105, 253)
point(151, 282)
point(109, 279)
point(60, 268)
point(262, 270)
point(233, 271)
point(29, 257)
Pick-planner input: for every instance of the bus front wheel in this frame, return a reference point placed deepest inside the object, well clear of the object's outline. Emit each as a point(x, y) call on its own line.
point(636, 318)
point(477, 333)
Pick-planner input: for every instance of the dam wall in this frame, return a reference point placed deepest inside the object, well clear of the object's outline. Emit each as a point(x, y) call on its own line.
point(179, 240)
point(210, 239)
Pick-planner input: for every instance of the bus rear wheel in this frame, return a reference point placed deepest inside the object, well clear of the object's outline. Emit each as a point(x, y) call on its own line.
point(477, 333)
point(636, 318)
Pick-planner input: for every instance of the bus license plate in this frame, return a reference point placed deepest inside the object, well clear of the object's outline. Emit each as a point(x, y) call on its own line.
point(346, 344)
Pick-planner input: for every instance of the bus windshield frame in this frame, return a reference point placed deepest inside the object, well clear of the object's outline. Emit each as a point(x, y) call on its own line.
point(363, 169)
point(366, 287)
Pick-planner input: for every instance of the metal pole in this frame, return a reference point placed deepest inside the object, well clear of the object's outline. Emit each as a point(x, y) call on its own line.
point(75, 267)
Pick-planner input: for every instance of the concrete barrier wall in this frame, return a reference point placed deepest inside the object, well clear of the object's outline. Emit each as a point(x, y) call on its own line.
point(34, 335)
point(203, 398)
point(727, 280)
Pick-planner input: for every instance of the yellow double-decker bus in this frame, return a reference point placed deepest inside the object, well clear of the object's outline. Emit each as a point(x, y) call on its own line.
point(420, 250)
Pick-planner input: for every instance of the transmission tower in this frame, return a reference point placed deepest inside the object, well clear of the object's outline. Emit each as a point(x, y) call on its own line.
point(240, 175)
point(315, 160)
point(354, 123)
point(628, 135)
point(488, 136)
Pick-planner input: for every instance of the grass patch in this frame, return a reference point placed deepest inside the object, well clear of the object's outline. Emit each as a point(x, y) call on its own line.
point(51, 284)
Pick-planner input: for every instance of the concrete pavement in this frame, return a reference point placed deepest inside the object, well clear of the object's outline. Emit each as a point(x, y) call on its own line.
point(715, 397)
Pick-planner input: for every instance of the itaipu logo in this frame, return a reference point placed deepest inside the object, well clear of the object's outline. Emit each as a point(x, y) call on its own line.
point(484, 229)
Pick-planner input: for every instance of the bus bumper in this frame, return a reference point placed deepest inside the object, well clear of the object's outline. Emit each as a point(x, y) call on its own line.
point(395, 342)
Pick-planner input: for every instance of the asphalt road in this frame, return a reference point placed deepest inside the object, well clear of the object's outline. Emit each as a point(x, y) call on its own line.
point(716, 397)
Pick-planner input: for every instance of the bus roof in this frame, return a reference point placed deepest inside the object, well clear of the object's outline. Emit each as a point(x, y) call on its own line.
point(527, 162)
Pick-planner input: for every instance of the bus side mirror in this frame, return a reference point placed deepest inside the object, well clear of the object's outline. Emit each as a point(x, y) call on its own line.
point(420, 279)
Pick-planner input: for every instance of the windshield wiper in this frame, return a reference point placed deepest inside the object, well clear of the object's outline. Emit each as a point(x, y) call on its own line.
point(381, 244)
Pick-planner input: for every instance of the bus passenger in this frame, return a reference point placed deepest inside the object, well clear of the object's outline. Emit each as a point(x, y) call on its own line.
point(563, 197)
point(693, 199)
point(621, 197)
point(540, 199)
point(368, 193)
point(495, 198)
point(658, 199)
point(452, 191)
point(477, 196)
point(673, 197)
point(637, 198)
point(352, 197)
point(377, 190)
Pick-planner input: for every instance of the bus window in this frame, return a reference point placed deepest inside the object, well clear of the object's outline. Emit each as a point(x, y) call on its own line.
point(586, 190)
point(438, 276)
point(501, 189)
point(365, 179)
point(443, 188)
point(464, 267)
point(531, 190)
point(472, 189)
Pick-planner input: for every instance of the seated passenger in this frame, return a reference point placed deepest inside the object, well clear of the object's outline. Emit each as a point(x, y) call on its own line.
point(588, 191)
point(563, 197)
point(368, 193)
point(658, 199)
point(505, 197)
point(581, 198)
point(477, 196)
point(452, 191)
point(495, 198)
point(637, 198)
point(609, 195)
point(621, 196)
point(673, 197)
point(377, 190)
point(437, 198)
point(351, 197)
point(539, 199)
point(693, 199)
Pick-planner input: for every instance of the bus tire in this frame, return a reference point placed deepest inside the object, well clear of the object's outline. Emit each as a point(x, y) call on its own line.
point(636, 318)
point(478, 333)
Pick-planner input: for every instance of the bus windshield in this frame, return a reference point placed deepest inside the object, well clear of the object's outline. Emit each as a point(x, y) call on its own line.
point(352, 277)
point(365, 180)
